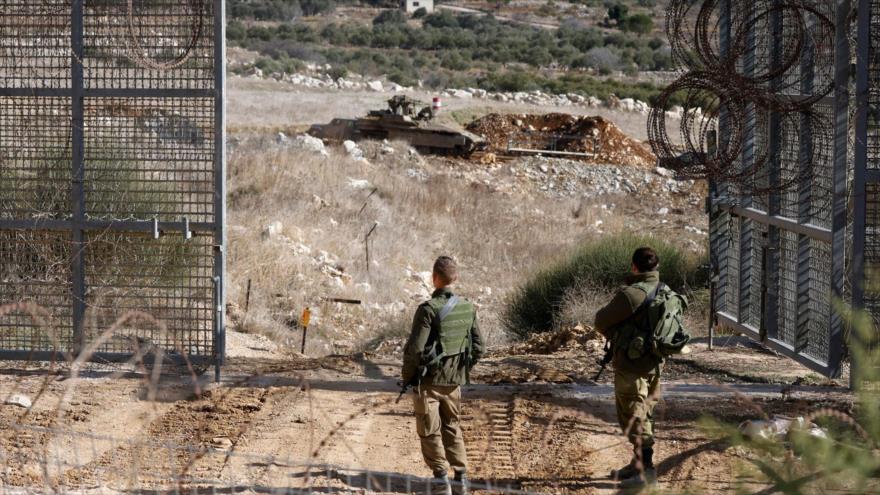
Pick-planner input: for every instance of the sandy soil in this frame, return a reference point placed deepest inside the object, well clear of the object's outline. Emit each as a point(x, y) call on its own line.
point(271, 417)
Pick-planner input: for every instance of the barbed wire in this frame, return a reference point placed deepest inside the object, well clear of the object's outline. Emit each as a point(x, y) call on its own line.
point(777, 66)
point(183, 468)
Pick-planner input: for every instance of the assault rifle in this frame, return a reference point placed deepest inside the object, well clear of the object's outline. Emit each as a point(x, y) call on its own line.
point(603, 363)
point(421, 371)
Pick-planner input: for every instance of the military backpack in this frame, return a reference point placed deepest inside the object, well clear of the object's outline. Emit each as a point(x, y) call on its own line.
point(655, 331)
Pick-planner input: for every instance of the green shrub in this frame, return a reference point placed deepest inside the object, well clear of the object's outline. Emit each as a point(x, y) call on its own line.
point(394, 16)
point(602, 264)
point(639, 23)
point(420, 13)
point(846, 459)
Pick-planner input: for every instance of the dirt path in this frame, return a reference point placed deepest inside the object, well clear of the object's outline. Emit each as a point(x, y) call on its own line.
point(276, 424)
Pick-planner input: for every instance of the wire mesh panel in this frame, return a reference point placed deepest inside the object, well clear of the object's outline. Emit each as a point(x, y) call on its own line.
point(866, 182)
point(149, 158)
point(112, 177)
point(35, 43)
point(138, 44)
point(170, 279)
point(35, 269)
point(35, 154)
point(790, 187)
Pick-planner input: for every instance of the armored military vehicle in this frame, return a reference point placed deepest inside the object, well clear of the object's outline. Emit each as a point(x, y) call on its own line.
point(402, 120)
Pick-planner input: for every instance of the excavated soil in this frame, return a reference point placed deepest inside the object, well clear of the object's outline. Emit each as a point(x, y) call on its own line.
point(564, 132)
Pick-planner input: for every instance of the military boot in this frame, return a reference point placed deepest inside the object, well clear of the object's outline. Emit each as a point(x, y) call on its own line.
point(440, 484)
point(646, 476)
point(627, 471)
point(461, 483)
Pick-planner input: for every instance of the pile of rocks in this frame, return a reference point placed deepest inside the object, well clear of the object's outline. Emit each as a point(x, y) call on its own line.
point(569, 178)
point(325, 81)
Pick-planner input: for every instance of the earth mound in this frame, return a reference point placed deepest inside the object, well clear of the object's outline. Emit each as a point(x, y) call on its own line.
point(577, 338)
point(563, 132)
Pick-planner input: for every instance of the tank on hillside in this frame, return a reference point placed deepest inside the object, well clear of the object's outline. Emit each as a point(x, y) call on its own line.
point(407, 120)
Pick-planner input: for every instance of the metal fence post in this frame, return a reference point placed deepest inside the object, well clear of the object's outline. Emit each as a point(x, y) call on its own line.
point(220, 180)
point(78, 299)
point(859, 186)
point(839, 182)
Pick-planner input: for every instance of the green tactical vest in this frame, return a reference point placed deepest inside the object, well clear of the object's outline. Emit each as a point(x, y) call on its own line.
point(453, 333)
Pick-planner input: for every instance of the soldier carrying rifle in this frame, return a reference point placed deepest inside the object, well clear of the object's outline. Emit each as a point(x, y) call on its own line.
point(443, 346)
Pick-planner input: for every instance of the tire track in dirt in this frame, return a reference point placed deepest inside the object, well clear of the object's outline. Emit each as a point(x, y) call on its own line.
point(488, 432)
point(209, 428)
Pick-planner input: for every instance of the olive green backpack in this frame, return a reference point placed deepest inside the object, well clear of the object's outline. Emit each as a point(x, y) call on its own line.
point(655, 331)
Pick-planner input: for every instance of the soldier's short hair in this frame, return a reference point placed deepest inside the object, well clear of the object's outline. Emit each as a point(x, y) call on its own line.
point(446, 268)
point(645, 259)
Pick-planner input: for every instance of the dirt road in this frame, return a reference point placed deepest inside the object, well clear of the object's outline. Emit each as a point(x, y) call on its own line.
point(271, 418)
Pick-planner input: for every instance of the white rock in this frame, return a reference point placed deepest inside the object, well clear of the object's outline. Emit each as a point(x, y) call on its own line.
point(375, 86)
point(461, 93)
point(664, 172)
point(359, 183)
point(282, 138)
point(663, 211)
point(19, 400)
point(274, 229)
point(300, 248)
point(310, 143)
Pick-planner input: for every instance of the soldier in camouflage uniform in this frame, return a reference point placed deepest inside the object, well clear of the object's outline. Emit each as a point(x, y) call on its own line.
point(636, 391)
point(446, 339)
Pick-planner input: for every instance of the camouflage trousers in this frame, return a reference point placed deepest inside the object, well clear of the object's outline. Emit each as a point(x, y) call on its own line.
point(437, 410)
point(635, 396)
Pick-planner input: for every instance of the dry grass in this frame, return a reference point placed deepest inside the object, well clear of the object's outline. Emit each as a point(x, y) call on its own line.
point(496, 238)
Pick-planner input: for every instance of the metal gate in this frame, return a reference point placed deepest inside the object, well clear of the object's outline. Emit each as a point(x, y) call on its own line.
point(866, 171)
point(779, 253)
point(112, 178)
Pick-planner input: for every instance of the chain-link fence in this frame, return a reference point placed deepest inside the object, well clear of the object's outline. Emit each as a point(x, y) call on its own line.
point(112, 175)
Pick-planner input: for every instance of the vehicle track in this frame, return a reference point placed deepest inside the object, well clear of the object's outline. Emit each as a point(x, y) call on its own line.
point(488, 432)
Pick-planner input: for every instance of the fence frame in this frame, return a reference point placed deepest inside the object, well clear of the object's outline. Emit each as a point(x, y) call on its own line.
point(78, 225)
point(724, 208)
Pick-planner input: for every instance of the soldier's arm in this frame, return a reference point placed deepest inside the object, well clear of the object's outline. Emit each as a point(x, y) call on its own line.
point(418, 337)
point(478, 346)
point(615, 312)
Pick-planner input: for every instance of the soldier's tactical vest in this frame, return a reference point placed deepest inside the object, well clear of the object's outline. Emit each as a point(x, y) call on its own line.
point(453, 333)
